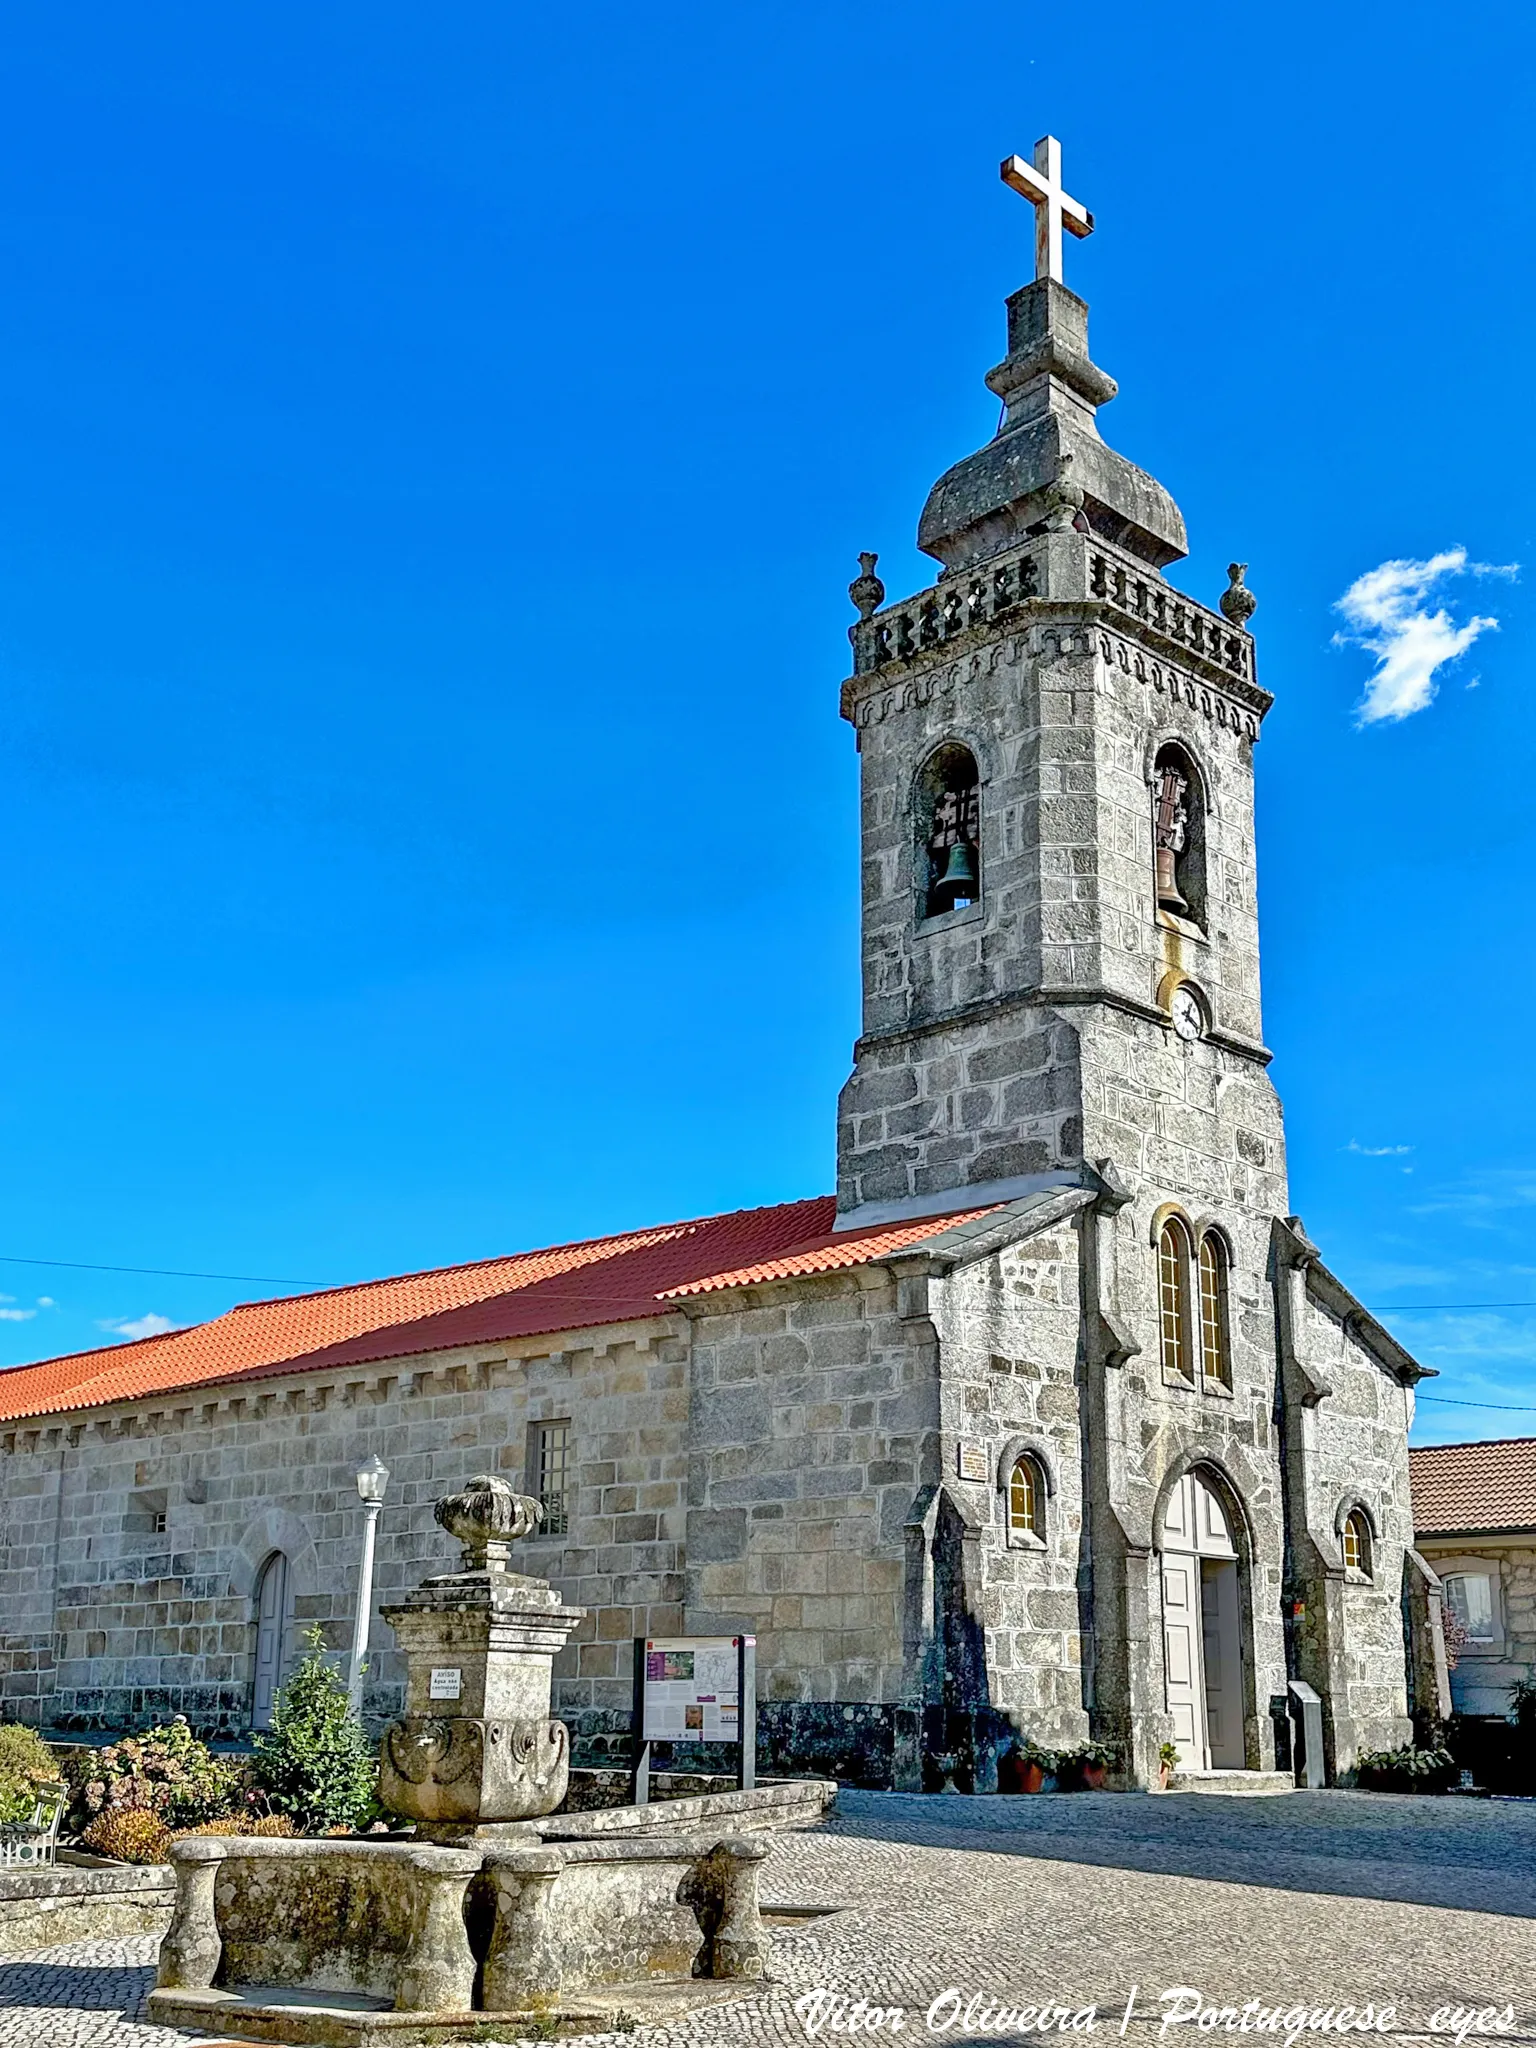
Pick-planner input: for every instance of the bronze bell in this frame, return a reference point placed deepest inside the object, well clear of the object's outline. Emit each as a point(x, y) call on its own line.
point(1168, 897)
point(957, 884)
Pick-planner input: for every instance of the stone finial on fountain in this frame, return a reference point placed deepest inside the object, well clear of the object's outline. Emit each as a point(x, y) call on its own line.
point(487, 1518)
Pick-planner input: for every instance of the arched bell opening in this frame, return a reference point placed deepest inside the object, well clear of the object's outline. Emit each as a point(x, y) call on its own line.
point(1178, 834)
point(947, 815)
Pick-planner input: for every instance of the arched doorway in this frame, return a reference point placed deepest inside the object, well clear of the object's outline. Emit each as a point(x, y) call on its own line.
point(274, 1627)
point(1203, 1627)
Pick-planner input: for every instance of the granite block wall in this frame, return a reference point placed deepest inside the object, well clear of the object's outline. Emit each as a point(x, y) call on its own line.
point(115, 1621)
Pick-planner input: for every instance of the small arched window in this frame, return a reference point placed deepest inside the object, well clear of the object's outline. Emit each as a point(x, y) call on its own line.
point(948, 820)
point(1178, 834)
point(1173, 1263)
point(1357, 1544)
point(1215, 1349)
point(1026, 1500)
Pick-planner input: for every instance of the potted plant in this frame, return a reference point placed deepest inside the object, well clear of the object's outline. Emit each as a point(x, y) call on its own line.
point(1024, 1767)
point(1084, 1768)
point(1167, 1764)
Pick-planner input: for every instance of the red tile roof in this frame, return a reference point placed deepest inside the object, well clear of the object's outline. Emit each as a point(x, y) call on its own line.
point(1460, 1488)
point(532, 1294)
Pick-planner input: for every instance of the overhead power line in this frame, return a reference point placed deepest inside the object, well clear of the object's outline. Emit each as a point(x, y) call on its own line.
point(159, 1272)
point(1441, 1307)
point(1503, 1407)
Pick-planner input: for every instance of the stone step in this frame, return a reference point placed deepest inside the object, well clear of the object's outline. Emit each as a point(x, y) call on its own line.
point(1239, 1784)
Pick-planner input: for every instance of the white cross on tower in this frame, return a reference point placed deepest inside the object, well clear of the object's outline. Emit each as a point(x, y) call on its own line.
point(1040, 184)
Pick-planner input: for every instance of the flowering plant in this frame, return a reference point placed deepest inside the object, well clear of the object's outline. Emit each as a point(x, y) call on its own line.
point(166, 1772)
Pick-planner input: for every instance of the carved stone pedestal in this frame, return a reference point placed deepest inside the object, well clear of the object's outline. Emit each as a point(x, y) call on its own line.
point(476, 1747)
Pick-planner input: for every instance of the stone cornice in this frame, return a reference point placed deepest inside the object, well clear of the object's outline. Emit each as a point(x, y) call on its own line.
point(314, 1391)
point(1045, 998)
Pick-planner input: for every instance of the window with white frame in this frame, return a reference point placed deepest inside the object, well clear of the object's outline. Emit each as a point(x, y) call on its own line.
point(1469, 1596)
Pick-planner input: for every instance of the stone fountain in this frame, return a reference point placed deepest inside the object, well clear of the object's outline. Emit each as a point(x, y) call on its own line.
point(496, 1908)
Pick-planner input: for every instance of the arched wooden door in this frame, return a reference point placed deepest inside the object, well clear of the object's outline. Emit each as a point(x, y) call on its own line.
point(274, 1622)
point(1202, 1629)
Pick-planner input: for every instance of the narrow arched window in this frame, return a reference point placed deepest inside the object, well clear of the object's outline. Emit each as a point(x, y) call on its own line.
point(948, 819)
point(1178, 835)
point(1026, 1500)
point(1357, 1544)
point(1173, 1299)
point(1215, 1352)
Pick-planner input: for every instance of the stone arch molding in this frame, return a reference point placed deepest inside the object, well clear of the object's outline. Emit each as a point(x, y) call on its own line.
point(274, 1529)
point(1241, 1482)
point(1026, 1446)
point(1355, 1503)
point(1170, 737)
point(977, 742)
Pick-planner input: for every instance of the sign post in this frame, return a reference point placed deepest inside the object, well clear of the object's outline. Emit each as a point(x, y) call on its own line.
point(694, 1689)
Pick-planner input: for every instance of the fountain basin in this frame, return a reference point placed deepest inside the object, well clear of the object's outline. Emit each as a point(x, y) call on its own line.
point(358, 1942)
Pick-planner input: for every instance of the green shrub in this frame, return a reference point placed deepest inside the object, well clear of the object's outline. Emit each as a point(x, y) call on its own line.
point(1405, 1770)
point(26, 1762)
point(166, 1772)
point(315, 1763)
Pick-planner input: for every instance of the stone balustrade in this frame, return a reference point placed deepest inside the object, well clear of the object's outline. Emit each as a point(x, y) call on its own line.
point(1054, 568)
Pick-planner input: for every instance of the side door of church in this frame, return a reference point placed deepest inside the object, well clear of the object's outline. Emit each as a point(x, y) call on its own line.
point(274, 1616)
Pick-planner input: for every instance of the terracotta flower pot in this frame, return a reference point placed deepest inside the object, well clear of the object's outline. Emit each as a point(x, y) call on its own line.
point(1017, 1773)
point(1094, 1776)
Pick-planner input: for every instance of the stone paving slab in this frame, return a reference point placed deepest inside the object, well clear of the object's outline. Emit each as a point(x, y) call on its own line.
point(1312, 1900)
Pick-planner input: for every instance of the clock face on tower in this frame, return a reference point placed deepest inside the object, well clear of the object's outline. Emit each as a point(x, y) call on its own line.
point(1187, 1012)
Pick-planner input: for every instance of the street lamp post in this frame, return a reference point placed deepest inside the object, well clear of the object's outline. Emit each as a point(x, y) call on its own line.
point(372, 1479)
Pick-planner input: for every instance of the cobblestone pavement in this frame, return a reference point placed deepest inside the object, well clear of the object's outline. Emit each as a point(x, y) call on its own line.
point(1313, 1900)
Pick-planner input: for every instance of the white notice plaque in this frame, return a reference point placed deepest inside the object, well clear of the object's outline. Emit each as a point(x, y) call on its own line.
point(691, 1690)
point(446, 1684)
point(971, 1463)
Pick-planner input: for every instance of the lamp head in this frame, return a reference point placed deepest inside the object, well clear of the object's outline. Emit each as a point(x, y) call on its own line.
point(372, 1478)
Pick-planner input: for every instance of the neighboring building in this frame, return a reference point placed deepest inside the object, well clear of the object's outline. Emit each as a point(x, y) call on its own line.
point(1474, 1508)
point(1051, 1422)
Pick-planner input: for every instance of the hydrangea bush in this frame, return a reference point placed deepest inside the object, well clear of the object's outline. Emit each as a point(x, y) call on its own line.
point(166, 1772)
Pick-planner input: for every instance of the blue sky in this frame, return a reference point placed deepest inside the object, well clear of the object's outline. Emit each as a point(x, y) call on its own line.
point(435, 450)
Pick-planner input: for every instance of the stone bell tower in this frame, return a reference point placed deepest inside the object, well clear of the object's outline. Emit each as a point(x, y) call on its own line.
point(1057, 781)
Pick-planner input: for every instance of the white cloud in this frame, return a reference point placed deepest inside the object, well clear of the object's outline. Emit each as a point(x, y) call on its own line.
point(150, 1325)
point(16, 1315)
point(1387, 612)
point(46, 1301)
point(1377, 1151)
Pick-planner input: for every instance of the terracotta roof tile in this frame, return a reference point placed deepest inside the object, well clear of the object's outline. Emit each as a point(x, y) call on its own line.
point(566, 1287)
point(1467, 1487)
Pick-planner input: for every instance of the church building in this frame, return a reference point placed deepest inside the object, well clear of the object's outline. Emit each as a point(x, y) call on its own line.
point(1050, 1425)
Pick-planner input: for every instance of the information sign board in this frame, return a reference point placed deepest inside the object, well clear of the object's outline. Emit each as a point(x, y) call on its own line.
point(692, 1689)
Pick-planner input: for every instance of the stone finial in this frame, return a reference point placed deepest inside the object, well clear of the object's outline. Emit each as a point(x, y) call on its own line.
point(1238, 602)
point(866, 589)
point(487, 1518)
point(1064, 497)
